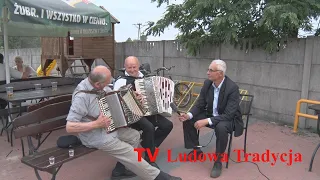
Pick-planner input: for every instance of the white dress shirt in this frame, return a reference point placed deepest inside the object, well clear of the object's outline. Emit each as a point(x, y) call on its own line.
point(122, 82)
point(215, 101)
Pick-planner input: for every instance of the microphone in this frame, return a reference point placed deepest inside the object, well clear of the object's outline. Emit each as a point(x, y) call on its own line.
point(175, 108)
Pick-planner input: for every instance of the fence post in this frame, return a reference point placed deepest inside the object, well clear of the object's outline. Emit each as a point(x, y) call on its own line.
point(308, 53)
point(163, 55)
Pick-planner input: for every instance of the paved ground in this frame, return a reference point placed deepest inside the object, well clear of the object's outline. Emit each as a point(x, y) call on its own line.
point(262, 136)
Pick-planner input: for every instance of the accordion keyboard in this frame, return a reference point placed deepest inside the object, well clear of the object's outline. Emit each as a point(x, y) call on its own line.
point(131, 108)
point(106, 111)
point(158, 92)
point(121, 108)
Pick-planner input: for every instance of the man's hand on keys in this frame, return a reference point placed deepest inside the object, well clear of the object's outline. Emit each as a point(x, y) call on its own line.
point(139, 97)
point(103, 121)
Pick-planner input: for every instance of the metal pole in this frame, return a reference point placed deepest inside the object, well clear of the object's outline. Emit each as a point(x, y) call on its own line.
point(6, 48)
point(5, 39)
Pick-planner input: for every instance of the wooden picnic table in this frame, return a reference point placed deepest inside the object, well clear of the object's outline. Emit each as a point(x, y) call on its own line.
point(31, 94)
point(25, 90)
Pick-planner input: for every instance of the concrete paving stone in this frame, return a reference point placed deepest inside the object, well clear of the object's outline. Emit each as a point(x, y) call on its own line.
point(262, 136)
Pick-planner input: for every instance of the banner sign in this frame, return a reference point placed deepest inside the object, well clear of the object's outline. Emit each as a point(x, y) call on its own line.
point(79, 16)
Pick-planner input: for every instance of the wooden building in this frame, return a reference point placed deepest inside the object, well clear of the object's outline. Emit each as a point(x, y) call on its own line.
point(66, 51)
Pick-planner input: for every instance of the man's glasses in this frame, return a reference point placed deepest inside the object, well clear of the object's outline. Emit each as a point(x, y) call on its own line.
point(211, 70)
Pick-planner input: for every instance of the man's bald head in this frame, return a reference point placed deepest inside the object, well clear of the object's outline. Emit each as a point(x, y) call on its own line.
point(131, 60)
point(100, 77)
point(131, 64)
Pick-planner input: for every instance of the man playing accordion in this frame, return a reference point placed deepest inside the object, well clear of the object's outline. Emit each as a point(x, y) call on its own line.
point(151, 137)
point(86, 119)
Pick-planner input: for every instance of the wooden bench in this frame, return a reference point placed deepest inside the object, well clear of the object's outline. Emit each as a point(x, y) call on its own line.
point(44, 119)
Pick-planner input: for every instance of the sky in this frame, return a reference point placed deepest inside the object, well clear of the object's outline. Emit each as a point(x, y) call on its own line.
point(130, 12)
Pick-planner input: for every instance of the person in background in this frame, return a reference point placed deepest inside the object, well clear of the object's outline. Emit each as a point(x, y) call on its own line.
point(13, 73)
point(24, 68)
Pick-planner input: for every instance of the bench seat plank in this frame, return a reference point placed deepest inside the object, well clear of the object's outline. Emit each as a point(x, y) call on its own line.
point(13, 110)
point(40, 160)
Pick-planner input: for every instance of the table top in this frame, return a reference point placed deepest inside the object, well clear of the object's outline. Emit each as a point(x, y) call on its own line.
point(24, 95)
point(29, 79)
point(315, 107)
point(45, 83)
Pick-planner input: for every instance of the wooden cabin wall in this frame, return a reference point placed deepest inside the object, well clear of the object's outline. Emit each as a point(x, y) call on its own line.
point(87, 47)
point(51, 46)
point(96, 47)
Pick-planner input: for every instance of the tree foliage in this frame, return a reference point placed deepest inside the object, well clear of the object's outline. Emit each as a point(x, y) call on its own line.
point(16, 42)
point(129, 40)
point(317, 32)
point(264, 22)
point(143, 38)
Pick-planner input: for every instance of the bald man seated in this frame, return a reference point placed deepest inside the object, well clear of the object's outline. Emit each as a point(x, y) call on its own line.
point(85, 119)
point(151, 137)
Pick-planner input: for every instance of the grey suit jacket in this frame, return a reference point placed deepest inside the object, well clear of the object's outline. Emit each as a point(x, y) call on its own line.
point(228, 104)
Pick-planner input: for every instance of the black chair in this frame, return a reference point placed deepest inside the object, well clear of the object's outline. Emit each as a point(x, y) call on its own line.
point(316, 108)
point(245, 107)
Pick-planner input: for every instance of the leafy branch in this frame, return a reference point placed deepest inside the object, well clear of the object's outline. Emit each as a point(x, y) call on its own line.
point(264, 22)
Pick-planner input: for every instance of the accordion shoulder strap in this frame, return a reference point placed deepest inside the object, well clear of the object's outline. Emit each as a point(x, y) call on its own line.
point(90, 117)
point(88, 92)
point(97, 93)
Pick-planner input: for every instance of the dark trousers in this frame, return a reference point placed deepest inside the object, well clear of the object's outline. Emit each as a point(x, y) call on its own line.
point(152, 137)
point(191, 138)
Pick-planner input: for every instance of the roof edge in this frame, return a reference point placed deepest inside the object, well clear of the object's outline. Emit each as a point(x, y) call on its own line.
point(113, 19)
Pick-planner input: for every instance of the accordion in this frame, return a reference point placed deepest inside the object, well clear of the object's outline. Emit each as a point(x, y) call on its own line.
point(158, 93)
point(121, 107)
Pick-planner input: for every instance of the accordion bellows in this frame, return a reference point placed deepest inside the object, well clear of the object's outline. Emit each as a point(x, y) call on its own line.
point(158, 92)
point(124, 109)
point(121, 108)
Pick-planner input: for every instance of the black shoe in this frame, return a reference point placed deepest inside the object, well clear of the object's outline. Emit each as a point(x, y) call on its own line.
point(194, 152)
point(165, 176)
point(116, 175)
point(154, 165)
point(120, 172)
point(216, 170)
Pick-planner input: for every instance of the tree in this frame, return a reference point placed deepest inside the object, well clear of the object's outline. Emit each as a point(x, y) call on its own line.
point(265, 22)
point(129, 40)
point(17, 42)
point(317, 32)
point(143, 38)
